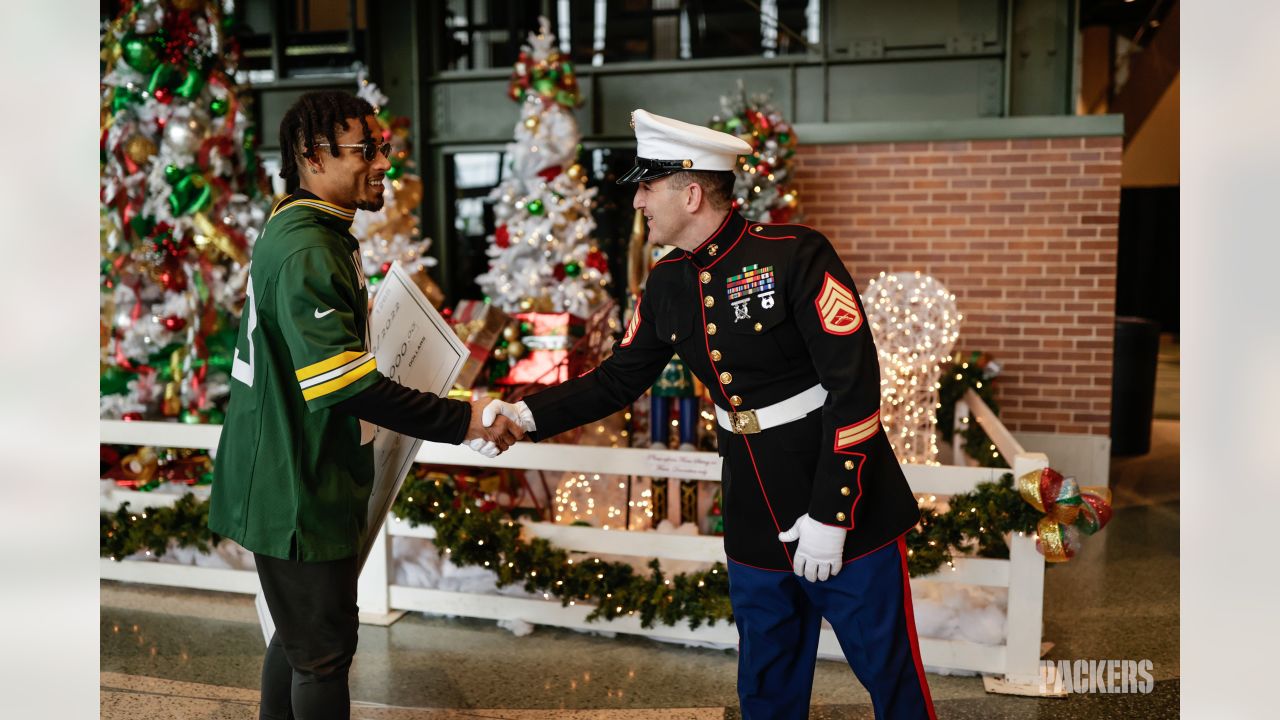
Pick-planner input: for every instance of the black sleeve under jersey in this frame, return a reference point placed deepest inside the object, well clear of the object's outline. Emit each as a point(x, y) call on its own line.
point(423, 415)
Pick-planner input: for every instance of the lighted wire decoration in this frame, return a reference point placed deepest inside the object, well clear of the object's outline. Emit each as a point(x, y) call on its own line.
point(915, 324)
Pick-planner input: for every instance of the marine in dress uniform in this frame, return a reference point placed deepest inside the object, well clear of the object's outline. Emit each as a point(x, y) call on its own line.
point(769, 319)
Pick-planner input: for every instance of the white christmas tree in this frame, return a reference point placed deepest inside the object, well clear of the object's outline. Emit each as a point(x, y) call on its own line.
point(762, 191)
point(393, 233)
point(182, 197)
point(542, 256)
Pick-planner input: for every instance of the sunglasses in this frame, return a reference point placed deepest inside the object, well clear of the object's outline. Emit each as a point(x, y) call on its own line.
point(370, 148)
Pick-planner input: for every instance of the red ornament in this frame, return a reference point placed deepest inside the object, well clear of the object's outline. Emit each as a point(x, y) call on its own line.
point(501, 237)
point(173, 323)
point(164, 96)
point(596, 261)
point(131, 416)
point(385, 268)
point(558, 271)
point(173, 279)
point(549, 173)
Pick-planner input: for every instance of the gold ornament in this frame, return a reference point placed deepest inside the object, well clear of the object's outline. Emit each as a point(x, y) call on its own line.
point(526, 305)
point(140, 149)
point(141, 466)
point(172, 400)
point(499, 354)
point(210, 234)
point(575, 172)
point(531, 122)
point(510, 333)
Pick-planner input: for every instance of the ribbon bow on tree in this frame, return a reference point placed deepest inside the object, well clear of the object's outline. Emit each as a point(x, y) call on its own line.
point(1068, 511)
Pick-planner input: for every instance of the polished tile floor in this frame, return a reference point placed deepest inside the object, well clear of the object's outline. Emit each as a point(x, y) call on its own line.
point(170, 653)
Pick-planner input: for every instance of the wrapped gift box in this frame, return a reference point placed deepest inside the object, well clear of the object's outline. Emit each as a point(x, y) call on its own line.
point(479, 325)
point(547, 338)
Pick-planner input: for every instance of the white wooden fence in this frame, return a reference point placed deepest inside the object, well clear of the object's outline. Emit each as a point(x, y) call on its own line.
point(1014, 664)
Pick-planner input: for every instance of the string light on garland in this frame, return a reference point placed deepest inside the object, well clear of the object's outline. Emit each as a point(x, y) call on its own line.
point(915, 323)
point(977, 520)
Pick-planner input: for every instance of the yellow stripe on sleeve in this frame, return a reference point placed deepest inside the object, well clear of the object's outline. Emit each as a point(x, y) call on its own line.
point(325, 366)
point(340, 382)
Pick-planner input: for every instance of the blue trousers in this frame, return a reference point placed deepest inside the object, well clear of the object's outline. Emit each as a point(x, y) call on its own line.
point(779, 616)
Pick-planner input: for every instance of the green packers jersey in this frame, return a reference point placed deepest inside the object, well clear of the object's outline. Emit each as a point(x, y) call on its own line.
point(292, 475)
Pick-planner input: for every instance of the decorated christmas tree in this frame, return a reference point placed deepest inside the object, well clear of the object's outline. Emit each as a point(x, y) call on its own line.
point(393, 233)
point(182, 197)
point(542, 256)
point(762, 192)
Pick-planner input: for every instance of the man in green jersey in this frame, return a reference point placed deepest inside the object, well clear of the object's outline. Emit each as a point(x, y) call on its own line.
point(294, 468)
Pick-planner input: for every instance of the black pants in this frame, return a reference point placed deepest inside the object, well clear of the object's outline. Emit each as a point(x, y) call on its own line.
point(313, 605)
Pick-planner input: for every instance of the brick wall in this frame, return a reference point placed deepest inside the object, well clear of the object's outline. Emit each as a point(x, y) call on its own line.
point(1022, 231)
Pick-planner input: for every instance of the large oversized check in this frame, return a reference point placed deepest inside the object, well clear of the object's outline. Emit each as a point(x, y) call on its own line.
point(415, 347)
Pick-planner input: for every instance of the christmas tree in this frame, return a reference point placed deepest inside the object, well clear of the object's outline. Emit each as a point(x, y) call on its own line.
point(393, 233)
point(542, 257)
point(762, 192)
point(182, 197)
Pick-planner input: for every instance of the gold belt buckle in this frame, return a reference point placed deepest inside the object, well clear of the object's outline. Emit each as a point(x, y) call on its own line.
point(744, 423)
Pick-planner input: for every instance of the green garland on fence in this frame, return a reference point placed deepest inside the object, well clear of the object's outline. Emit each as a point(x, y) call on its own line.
point(973, 373)
point(474, 534)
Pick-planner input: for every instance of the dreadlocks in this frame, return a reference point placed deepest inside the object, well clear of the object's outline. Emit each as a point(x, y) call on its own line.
point(322, 113)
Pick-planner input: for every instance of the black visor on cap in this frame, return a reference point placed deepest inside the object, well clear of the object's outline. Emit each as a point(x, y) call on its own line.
point(646, 169)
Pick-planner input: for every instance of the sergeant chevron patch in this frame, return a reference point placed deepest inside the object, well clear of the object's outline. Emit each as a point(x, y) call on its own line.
point(837, 309)
point(632, 326)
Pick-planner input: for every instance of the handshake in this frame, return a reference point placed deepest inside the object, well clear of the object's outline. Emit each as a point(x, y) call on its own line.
point(497, 425)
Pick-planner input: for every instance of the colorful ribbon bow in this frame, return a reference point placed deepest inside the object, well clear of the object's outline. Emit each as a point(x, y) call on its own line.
point(1068, 511)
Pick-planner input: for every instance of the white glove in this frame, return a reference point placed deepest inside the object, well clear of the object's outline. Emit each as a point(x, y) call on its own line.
point(518, 413)
point(820, 550)
point(486, 448)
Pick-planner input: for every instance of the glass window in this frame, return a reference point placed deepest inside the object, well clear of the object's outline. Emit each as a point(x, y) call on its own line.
point(297, 38)
point(488, 33)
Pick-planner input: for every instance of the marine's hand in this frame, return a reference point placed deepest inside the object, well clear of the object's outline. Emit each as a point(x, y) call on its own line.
point(518, 413)
point(490, 439)
point(820, 550)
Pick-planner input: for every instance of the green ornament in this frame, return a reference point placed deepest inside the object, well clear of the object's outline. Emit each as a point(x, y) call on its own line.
point(395, 171)
point(173, 173)
point(122, 98)
point(546, 87)
point(142, 225)
point(784, 138)
point(141, 52)
point(191, 194)
point(376, 278)
point(218, 107)
point(572, 269)
point(566, 98)
point(191, 417)
point(535, 207)
point(162, 76)
point(220, 362)
point(215, 416)
point(114, 381)
point(567, 67)
point(526, 329)
point(206, 478)
point(733, 123)
point(192, 84)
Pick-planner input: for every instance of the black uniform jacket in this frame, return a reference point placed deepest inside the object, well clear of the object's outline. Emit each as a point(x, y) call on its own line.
point(761, 313)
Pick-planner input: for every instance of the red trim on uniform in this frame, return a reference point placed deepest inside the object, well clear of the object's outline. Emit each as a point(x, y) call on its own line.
point(766, 237)
point(713, 235)
point(767, 504)
point(716, 371)
point(725, 253)
point(911, 627)
point(878, 547)
point(662, 262)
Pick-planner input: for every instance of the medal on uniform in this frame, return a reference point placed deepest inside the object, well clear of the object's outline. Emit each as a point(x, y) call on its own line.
point(753, 280)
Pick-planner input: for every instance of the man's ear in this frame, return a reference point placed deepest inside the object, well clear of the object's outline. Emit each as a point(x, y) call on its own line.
point(695, 198)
